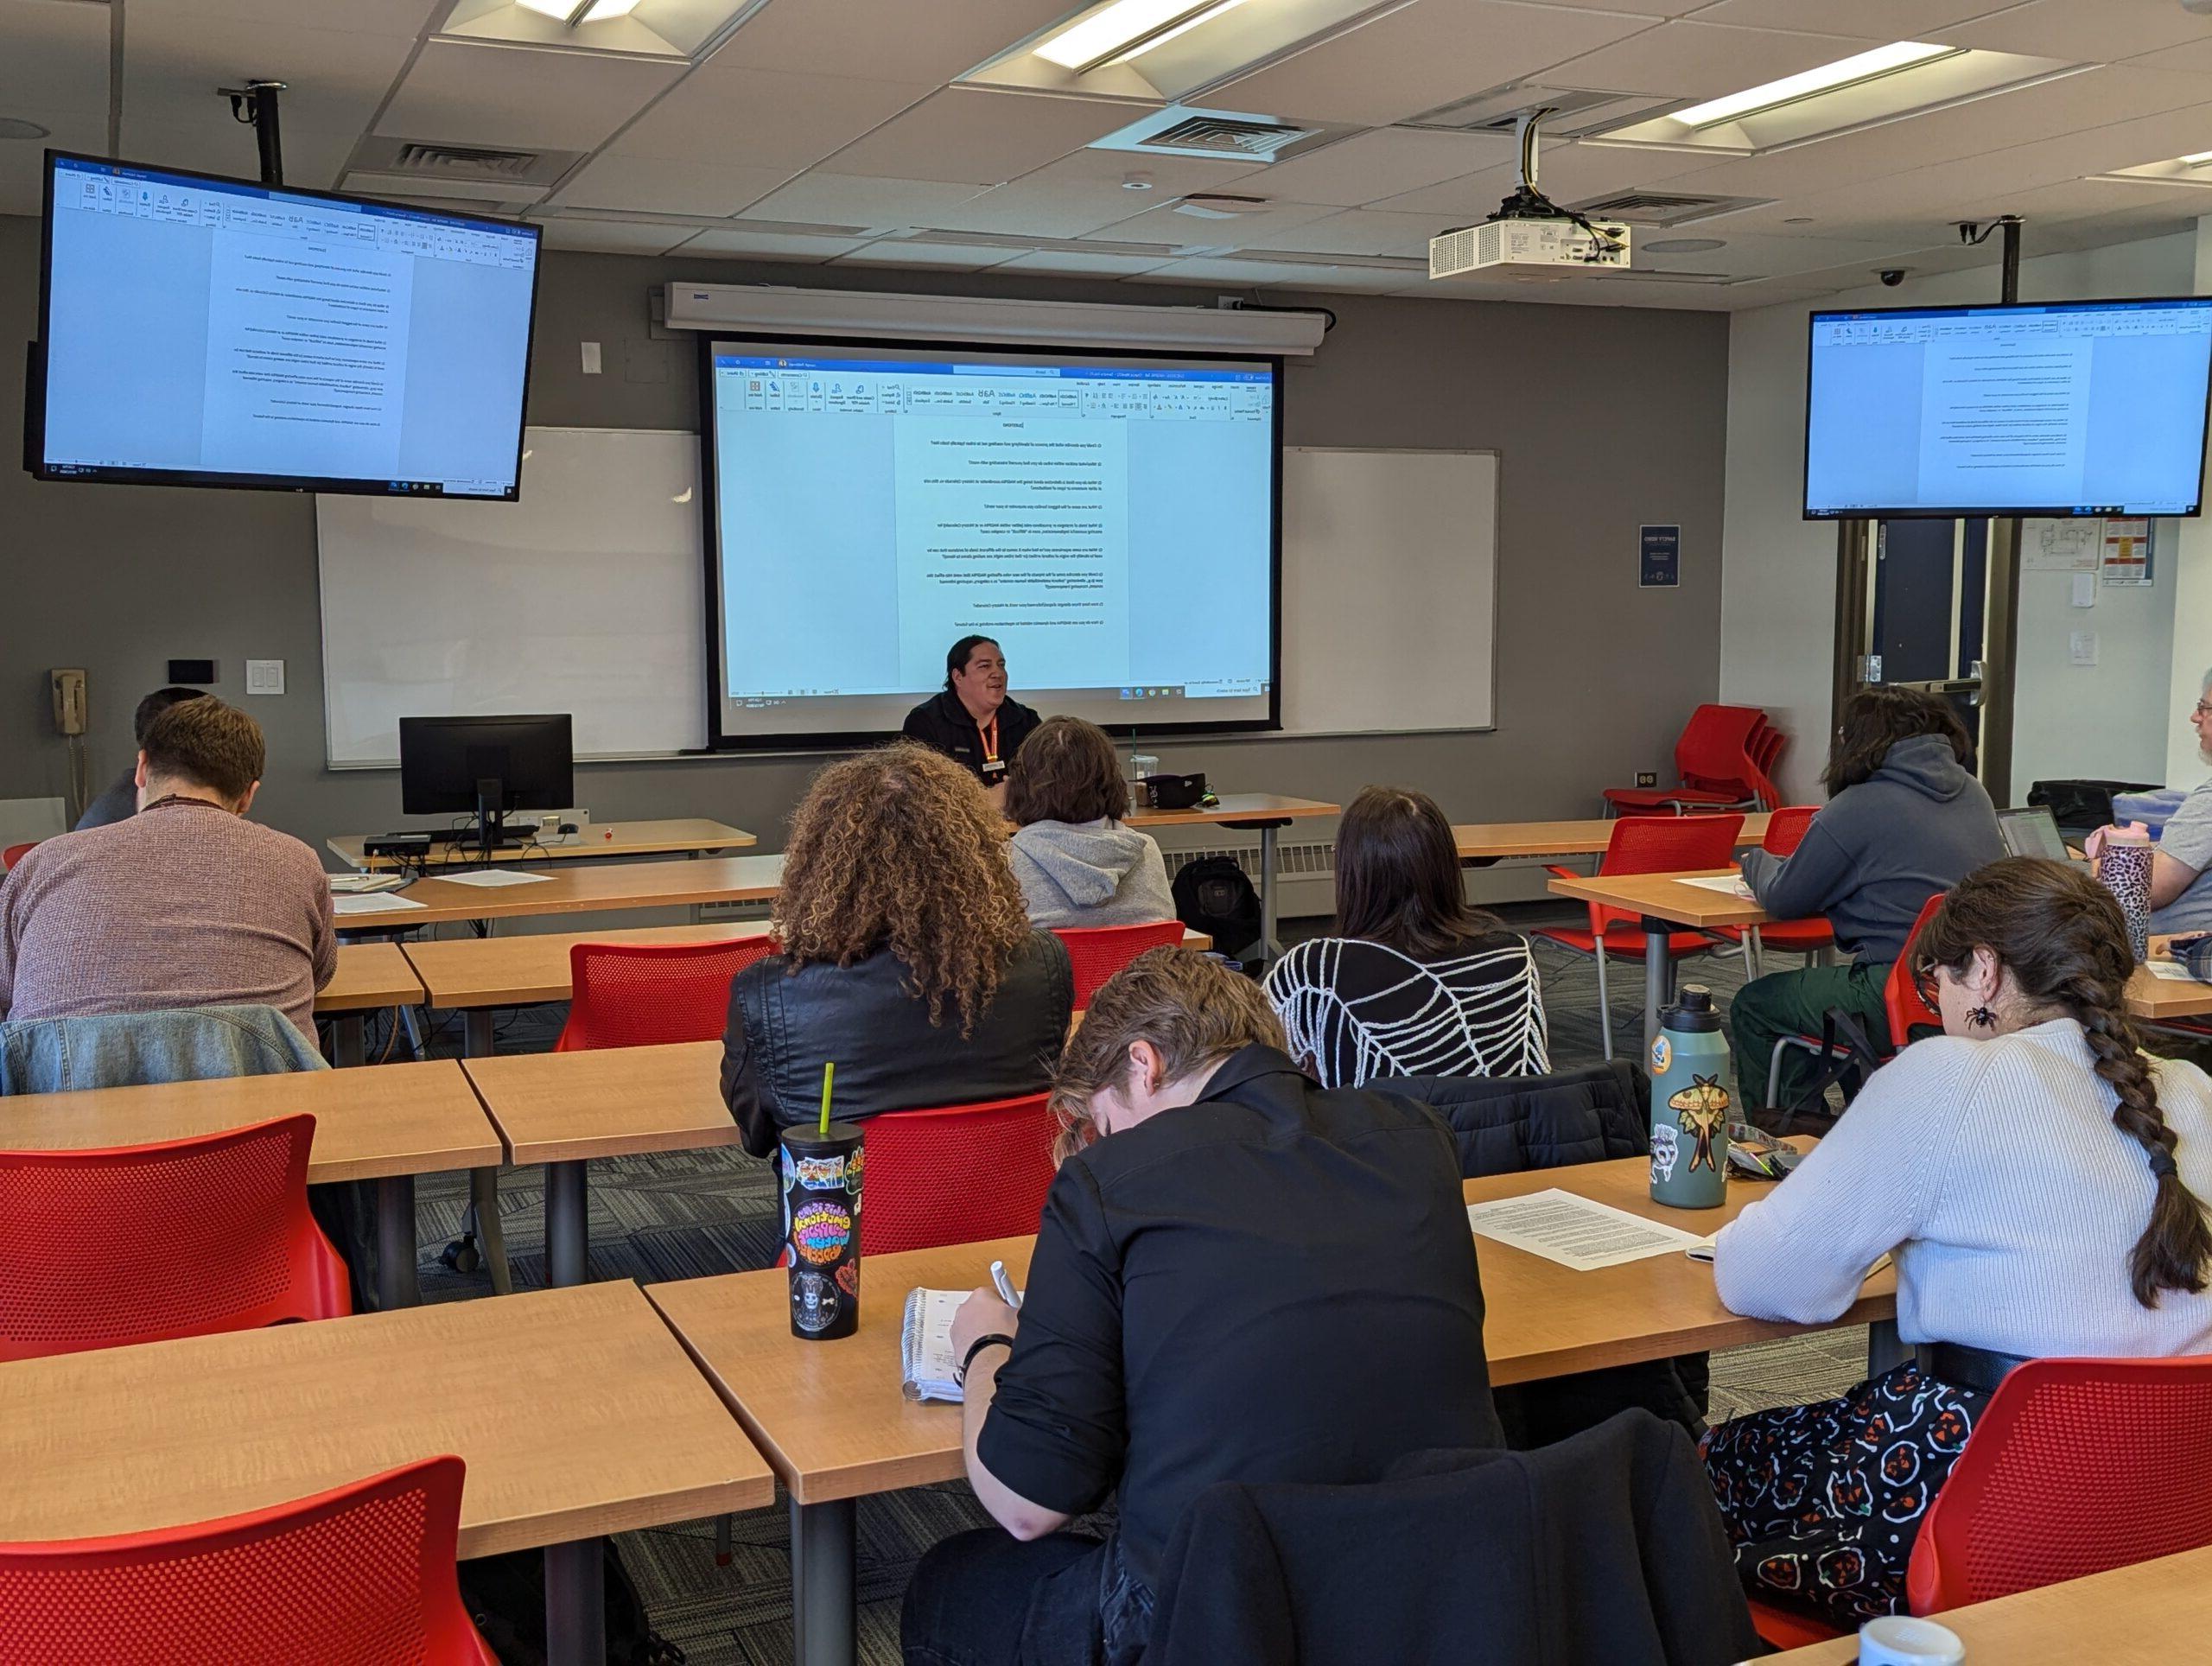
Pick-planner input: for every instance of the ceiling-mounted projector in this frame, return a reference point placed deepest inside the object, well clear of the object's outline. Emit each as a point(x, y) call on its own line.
point(1531, 236)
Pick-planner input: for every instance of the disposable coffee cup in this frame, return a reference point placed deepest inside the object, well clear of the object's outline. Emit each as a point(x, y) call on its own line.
point(1901, 1640)
point(821, 1229)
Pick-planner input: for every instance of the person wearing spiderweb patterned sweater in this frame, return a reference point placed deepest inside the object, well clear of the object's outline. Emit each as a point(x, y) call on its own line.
point(1416, 982)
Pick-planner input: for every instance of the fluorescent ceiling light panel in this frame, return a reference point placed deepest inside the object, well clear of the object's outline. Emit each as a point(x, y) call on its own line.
point(1183, 28)
point(2197, 159)
point(601, 11)
point(556, 9)
point(1845, 72)
point(1108, 33)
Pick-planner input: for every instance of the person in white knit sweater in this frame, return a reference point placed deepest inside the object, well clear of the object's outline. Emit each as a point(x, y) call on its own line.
point(2038, 1180)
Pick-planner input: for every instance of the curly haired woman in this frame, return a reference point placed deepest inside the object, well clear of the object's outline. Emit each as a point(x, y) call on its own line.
point(907, 957)
point(2037, 1178)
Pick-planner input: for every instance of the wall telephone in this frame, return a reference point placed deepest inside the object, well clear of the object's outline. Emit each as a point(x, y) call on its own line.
point(69, 702)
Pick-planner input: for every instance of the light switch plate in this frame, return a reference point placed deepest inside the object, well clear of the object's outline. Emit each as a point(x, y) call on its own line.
point(591, 358)
point(264, 677)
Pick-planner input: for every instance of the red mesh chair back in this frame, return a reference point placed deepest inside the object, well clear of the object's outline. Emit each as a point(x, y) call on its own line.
point(1785, 828)
point(955, 1175)
point(1902, 1005)
point(138, 1244)
point(1714, 750)
point(361, 1576)
point(14, 854)
point(1662, 845)
point(1097, 952)
point(2076, 1465)
point(643, 995)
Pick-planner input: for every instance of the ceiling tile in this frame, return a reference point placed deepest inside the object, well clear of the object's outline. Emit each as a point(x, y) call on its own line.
point(491, 95)
point(22, 165)
point(1700, 60)
point(1059, 260)
point(1653, 9)
point(1383, 163)
point(612, 237)
point(647, 186)
point(889, 40)
point(2192, 57)
point(1238, 274)
point(760, 118)
point(943, 257)
point(848, 199)
point(1083, 192)
point(1567, 172)
point(1873, 20)
point(1164, 225)
point(55, 58)
point(1417, 57)
point(2087, 31)
point(1355, 232)
point(981, 135)
point(770, 245)
point(397, 19)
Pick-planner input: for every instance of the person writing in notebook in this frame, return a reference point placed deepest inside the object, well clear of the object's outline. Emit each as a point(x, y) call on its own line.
point(971, 720)
point(1236, 1270)
point(2039, 1181)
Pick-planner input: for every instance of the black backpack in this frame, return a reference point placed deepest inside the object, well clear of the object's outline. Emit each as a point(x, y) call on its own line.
point(1213, 896)
point(505, 1594)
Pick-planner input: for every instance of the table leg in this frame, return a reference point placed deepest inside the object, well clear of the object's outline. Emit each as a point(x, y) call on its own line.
point(484, 1193)
point(575, 1604)
point(1657, 966)
point(349, 1038)
point(1269, 949)
point(396, 1281)
point(476, 1032)
point(1886, 1349)
point(568, 1230)
point(822, 1602)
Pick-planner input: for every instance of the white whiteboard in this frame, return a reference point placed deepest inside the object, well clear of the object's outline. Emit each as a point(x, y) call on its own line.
point(1389, 579)
point(586, 596)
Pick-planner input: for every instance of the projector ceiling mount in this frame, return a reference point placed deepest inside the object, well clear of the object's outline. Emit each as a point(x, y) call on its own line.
point(254, 105)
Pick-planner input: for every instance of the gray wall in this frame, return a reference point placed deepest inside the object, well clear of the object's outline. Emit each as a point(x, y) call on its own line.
point(1604, 417)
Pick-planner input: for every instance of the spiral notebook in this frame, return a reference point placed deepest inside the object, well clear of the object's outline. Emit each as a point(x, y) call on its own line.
point(926, 1362)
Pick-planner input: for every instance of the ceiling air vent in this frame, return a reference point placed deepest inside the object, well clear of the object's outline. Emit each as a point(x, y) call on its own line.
point(1224, 135)
point(463, 159)
point(1663, 207)
point(1574, 110)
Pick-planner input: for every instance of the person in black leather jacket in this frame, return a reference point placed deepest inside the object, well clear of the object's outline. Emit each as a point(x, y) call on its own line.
point(907, 957)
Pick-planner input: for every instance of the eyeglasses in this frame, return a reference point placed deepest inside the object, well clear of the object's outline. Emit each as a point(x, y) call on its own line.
point(2201, 708)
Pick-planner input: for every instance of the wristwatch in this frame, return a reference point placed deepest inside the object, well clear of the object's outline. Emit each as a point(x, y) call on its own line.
point(996, 1338)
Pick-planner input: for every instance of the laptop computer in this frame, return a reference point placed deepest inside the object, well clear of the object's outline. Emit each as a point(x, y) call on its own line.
point(2032, 831)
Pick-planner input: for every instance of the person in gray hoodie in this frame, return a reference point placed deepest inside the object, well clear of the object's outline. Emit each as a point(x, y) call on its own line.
point(1903, 821)
point(1077, 863)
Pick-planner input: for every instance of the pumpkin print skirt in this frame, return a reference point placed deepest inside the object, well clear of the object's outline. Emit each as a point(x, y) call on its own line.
point(1823, 1502)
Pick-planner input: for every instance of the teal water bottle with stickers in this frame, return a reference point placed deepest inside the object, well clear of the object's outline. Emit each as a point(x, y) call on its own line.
point(1690, 1104)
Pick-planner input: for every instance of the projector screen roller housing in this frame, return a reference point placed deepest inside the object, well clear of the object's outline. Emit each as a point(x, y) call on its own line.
point(198, 331)
point(1111, 521)
point(2068, 409)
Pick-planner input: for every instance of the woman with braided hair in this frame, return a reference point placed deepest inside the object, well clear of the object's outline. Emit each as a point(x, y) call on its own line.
point(2039, 1180)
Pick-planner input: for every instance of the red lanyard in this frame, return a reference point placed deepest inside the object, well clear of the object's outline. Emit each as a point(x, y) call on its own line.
point(990, 732)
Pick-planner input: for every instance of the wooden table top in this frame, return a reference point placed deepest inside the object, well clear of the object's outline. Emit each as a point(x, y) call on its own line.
point(664, 838)
point(518, 970)
point(575, 1411)
point(1487, 841)
point(2162, 998)
point(1236, 807)
point(370, 975)
point(830, 1417)
point(565, 1107)
point(582, 890)
point(394, 1119)
point(2154, 1613)
point(1664, 897)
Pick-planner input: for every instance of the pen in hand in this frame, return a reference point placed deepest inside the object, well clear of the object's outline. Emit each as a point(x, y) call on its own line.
point(1007, 1294)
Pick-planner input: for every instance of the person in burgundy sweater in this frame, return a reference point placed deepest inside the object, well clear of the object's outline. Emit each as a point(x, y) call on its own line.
point(185, 904)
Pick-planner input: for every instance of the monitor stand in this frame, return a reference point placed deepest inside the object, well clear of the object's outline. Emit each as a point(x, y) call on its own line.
point(492, 832)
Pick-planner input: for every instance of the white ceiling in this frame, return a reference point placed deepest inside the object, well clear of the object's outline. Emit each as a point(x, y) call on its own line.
point(834, 131)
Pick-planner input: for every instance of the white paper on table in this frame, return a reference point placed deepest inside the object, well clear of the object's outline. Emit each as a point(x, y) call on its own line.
point(2173, 970)
point(364, 884)
point(489, 876)
point(373, 904)
point(1571, 1230)
point(1729, 885)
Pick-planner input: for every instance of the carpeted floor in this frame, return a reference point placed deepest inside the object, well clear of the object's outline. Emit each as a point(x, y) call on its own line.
point(688, 1214)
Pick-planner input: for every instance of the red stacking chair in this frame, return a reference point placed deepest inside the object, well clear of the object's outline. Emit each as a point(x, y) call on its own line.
point(1785, 831)
point(1767, 747)
point(1646, 844)
point(1097, 952)
point(2076, 1466)
point(1903, 1008)
point(361, 1574)
point(955, 1174)
point(138, 1244)
point(14, 853)
point(640, 995)
point(1712, 759)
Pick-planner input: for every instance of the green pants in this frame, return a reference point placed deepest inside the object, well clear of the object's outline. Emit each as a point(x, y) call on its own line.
point(1794, 1003)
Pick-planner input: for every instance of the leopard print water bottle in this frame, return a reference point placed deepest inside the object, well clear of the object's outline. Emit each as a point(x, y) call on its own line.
point(2126, 870)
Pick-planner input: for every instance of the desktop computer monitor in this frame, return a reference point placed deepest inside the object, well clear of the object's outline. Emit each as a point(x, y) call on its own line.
point(486, 767)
